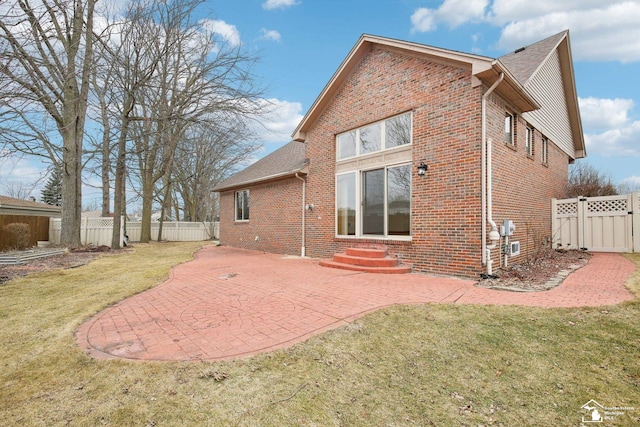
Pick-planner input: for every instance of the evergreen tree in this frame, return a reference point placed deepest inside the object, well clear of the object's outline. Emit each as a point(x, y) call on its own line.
point(52, 192)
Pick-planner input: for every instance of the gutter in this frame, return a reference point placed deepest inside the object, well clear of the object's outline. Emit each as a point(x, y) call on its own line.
point(486, 197)
point(303, 250)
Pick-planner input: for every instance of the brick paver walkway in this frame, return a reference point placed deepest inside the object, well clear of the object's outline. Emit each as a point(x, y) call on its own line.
point(230, 303)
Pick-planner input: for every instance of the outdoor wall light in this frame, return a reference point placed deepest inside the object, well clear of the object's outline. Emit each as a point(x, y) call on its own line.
point(422, 169)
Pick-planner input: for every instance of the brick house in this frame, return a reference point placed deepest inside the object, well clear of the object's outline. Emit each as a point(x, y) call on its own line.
point(423, 151)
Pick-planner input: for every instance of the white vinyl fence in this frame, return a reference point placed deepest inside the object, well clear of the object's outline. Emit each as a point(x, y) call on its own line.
point(98, 231)
point(598, 224)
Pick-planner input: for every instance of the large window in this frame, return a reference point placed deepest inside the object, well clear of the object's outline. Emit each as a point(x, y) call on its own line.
point(242, 205)
point(375, 137)
point(373, 184)
point(375, 203)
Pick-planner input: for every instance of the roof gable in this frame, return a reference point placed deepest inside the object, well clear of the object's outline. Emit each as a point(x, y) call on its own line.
point(366, 44)
point(518, 68)
point(282, 163)
point(545, 69)
point(524, 62)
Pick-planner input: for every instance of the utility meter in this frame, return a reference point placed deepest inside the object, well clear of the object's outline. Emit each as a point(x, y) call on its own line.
point(507, 228)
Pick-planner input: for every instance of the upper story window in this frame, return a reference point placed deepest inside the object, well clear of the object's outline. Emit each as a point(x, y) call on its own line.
point(242, 205)
point(544, 149)
point(529, 141)
point(509, 129)
point(374, 137)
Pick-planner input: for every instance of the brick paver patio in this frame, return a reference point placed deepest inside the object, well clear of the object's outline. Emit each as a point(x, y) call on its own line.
point(230, 303)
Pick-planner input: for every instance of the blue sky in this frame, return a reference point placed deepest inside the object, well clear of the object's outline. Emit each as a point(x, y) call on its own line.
point(301, 43)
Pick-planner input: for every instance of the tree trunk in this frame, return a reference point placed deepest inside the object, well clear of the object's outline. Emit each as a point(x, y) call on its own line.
point(106, 165)
point(147, 205)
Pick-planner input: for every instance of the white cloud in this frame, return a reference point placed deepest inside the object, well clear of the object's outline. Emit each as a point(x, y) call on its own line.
point(623, 141)
point(270, 35)
point(505, 11)
point(278, 4)
point(599, 30)
point(423, 20)
point(452, 12)
point(607, 33)
point(602, 113)
point(280, 123)
point(227, 31)
point(609, 130)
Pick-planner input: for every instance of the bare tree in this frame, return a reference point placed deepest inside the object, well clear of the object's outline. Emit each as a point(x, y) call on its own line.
point(585, 180)
point(200, 79)
point(18, 189)
point(128, 57)
point(208, 155)
point(45, 62)
point(629, 185)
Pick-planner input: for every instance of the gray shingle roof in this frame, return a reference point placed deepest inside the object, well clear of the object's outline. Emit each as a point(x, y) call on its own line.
point(524, 62)
point(284, 162)
point(6, 201)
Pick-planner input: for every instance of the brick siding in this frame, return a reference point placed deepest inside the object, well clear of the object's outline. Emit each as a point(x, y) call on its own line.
point(445, 203)
point(522, 185)
point(275, 211)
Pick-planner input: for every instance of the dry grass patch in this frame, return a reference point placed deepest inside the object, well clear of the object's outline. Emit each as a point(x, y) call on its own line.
point(405, 365)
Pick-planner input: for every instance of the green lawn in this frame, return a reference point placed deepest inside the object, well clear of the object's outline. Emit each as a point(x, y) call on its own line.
point(443, 365)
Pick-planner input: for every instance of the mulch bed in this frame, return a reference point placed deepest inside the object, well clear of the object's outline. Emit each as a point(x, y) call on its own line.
point(540, 273)
point(73, 258)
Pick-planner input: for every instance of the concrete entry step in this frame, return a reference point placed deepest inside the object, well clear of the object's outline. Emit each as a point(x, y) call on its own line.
point(367, 252)
point(366, 260)
point(365, 269)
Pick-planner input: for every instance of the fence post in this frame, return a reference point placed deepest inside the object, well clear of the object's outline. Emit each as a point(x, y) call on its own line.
point(582, 219)
point(635, 220)
point(554, 222)
point(85, 229)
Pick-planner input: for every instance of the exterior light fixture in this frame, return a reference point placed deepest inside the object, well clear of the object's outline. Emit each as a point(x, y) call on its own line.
point(422, 169)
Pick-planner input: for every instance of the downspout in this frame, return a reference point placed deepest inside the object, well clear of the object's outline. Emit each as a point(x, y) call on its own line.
point(303, 251)
point(486, 197)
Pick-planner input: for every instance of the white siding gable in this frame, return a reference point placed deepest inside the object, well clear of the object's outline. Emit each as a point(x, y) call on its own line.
point(552, 119)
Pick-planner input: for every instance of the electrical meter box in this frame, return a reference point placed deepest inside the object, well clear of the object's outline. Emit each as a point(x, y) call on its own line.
point(507, 228)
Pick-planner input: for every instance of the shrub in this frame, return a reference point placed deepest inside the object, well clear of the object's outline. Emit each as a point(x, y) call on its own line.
point(20, 233)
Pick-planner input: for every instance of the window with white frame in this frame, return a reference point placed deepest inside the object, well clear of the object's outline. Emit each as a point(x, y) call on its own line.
point(529, 141)
point(242, 205)
point(384, 208)
point(373, 195)
point(544, 147)
point(375, 137)
point(509, 129)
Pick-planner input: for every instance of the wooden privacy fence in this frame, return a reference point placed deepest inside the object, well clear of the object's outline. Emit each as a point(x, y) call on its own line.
point(38, 229)
point(98, 231)
point(598, 224)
